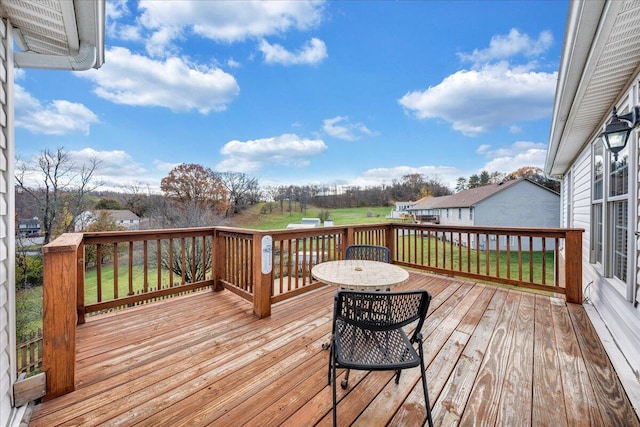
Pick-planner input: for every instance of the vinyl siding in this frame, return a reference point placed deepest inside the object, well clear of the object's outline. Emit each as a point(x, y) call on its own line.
point(521, 205)
point(7, 291)
point(622, 319)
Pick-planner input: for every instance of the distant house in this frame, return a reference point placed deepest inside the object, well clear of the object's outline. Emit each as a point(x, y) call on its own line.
point(123, 218)
point(29, 227)
point(517, 203)
point(401, 210)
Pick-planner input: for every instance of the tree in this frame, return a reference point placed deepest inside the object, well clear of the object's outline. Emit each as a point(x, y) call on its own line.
point(242, 190)
point(190, 184)
point(474, 181)
point(485, 178)
point(102, 222)
point(59, 183)
point(136, 200)
point(461, 184)
point(29, 268)
point(536, 175)
point(197, 261)
point(196, 197)
point(109, 204)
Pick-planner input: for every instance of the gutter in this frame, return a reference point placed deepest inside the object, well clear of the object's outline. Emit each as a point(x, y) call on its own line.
point(86, 59)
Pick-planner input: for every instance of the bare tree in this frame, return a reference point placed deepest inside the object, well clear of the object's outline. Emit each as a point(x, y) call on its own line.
point(56, 182)
point(135, 199)
point(242, 190)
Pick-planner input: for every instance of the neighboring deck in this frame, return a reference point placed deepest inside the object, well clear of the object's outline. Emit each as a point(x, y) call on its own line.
point(494, 356)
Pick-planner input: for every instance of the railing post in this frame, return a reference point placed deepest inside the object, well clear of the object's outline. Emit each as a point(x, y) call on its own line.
point(61, 259)
point(390, 241)
point(261, 281)
point(80, 288)
point(218, 259)
point(349, 238)
point(573, 266)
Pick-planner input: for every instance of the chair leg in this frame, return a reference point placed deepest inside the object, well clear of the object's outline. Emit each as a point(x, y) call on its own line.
point(424, 386)
point(333, 389)
point(345, 381)
point(330, 364)
point(398, 372)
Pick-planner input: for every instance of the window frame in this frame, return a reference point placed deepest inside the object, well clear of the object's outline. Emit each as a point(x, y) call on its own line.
point(605, 199)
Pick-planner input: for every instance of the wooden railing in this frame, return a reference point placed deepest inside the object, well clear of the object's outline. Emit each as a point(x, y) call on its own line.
point(29, 349)
point(91, 273)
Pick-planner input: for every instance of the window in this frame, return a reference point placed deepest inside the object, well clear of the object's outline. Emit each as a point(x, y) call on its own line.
point(617, 208)
point(609, 245)
point(569, 198)
point(596, 203)
point(459, 213)
point(471, 213)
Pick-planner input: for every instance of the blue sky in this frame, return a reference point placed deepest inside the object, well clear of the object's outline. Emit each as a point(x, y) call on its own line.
point(305, 92)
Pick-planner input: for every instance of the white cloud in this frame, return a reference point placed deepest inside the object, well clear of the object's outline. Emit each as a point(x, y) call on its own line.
point(116, 170)
point(132, 79)
point(283, 150)
point(313, 52)
point(232, 63)
point(339, 127)
point(59, 117)
point(507, 46)
point(378, 176)
point(230, 21)
point(477, 101)
point(510, 158)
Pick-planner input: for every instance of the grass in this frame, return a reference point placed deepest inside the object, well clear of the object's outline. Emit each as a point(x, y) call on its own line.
point(91, 288)
point(482, 262)
point(253, 219)
point(28, 310)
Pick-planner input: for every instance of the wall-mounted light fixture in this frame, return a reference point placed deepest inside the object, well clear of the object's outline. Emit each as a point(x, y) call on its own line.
point(617, 131)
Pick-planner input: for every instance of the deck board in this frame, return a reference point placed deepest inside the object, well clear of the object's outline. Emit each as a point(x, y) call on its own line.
point(494, 357)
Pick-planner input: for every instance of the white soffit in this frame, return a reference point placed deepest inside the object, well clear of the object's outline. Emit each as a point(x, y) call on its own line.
point(58, 34)
point(612, 61)
point(41, 26)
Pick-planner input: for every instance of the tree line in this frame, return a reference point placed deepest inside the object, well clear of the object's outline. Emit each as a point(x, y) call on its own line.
point(57, 190)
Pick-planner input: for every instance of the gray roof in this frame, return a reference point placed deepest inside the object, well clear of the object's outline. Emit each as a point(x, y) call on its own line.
point(119, 214)
point(467, 198)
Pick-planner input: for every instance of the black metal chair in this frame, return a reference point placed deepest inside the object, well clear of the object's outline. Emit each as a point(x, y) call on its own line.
point(368, 252)
point(368, 335)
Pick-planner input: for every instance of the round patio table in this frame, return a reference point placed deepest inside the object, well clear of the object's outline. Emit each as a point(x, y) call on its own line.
point(360, 274)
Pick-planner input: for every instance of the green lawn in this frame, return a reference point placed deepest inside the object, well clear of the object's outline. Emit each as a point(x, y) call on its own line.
point(275, 220)
point(28, 310)
point(459, 259)
point(91, 288)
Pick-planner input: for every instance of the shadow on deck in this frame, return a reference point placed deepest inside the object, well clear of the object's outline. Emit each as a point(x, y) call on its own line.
point(494, 357)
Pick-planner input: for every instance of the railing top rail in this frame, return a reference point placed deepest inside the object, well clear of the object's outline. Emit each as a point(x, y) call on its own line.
point(138, 235)
point(491, 229)
point(69, 241)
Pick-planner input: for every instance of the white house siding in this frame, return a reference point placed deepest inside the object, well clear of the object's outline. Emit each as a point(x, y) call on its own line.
point(620, 316)
point(455, 217)
point(7, 251)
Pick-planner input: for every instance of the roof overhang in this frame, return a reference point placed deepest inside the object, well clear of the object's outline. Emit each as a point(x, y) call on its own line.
point(57, 34)
point(601, 56)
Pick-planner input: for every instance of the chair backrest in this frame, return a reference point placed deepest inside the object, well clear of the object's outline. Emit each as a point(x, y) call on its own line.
point(368, 252)
point(381, 310)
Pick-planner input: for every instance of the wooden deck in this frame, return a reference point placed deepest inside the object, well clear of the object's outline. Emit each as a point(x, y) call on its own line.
point(495, 357)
